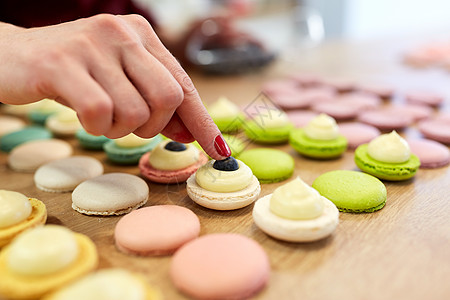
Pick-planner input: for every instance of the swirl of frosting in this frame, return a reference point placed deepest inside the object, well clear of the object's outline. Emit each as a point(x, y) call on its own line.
point(296, 200)
point(162, 159)
point(272, 119)
point(223, 108)
point(131, 141)
point(322, 127)
point(42, 250)
point(106, 284)
point(389, 148)
point(223, 181)
point(14, 208)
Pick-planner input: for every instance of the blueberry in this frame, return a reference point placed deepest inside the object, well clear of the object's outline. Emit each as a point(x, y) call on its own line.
point(175, 146)
point(227, 164)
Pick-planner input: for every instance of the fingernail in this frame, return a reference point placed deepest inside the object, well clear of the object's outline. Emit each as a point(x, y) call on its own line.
point(221, 146)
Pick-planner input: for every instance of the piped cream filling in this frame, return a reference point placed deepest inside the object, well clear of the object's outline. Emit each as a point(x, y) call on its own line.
point(389, 148)
point(223, 108)
point(131, 141)
point(162, 159)
point(14, 208)
point(322, 127)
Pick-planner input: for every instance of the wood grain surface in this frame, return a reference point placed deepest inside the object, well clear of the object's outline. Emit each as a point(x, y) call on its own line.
point(399, 252)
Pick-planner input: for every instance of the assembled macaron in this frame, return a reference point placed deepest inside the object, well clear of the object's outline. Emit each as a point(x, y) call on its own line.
point(171, 162)
point(296, 212)
point(387, 157)
point(319, 139)
point(43, 259)
point(226, 115)
point(223, 185)
point(18, 213)
point(271, 127)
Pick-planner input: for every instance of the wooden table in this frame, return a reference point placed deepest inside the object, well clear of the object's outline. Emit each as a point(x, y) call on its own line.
point(400, 252)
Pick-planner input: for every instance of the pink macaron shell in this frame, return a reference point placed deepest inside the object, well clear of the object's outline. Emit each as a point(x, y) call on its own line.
point(431, 154)
point(416, 112)
point(220, 266)
point(381, 90)
point(360, 100)
point(306, 80)
point(156, 230)
point(276, 86)
point(443, 116)
point(337, 110)
point(164, 176)
point(301, 118)
point(436, 130)
point(424, 98)
point(358, 133)
point(319, 94)
point(385, 120)
point(341, 85)
point(290, 99)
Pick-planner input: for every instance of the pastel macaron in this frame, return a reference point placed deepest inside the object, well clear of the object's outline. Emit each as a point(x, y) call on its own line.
point(108, 284)
point(65, 174)
point(386, 119)
point(435, 129)
point(29, 156)
point(110, 194)
point(423, 97)
point(358, 133)
point(43, 259)
point(268, 165)
point(430, 153)
point(18, 214)
point(220, 266)
point(10, 124)
point(26, 134)
point(272, 127)
point(352, 191)
point(129, 149)
point(223, 185)
point(63, 122)
point(89, 141)
point(319, 139)
point(156, 230)
point(227, 115)
point(296, 212)
point(387, 157)
point(171, 162)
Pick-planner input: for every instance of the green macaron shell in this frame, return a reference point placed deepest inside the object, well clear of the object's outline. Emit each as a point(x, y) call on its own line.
point(321, 149)
point(129, 156)
point(386, 171)
point(259, 134)
point(11, 140)
point(352, 191)
point(230, 125)
point(268, 165)
point(89, 141)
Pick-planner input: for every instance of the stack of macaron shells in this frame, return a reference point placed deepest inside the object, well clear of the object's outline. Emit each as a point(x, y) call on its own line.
point(171, 162)
point(43, 259)
point(223, 185)
point(18, 214)
point(296, 212)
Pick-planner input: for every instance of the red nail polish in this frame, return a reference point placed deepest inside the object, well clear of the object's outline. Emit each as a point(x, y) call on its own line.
point(221, 146)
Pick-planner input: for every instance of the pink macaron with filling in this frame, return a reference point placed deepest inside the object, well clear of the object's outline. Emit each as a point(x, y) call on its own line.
point(431, 154)
point(156, 230)
point(220, 266)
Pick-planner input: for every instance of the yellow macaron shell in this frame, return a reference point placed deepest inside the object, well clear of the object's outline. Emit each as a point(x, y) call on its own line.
point(131, 141)
point(107, 284)
point(64, 255)
point(389, 148)
point(296, 201)
point(223, 181)
point(322, 127)
point(14, 208)
point(162, 159)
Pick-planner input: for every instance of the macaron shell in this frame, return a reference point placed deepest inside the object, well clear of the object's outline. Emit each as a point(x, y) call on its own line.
point(358, 133)
point(89, 141)
point(29, 156)
point(15, 286)
point(431, 154)
point(436, 130)
point(424, 98)
point(65, 174)
point(258, 134)
point(175, 176)
point(220, 266)
point(11, 140)
point(352, 191)
point(385, 120)
point(295, 230)
point(301, 118)
point(110, 194)
point(129, 156)
point(156, 230)
point(318, 149)
point(223, 201)
point(37, 217)
point(10, 124)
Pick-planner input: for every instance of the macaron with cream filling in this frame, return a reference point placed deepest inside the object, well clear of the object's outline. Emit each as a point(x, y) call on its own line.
point(296, 212)
point(388, 157)
point(319, 139)
point(271, 127)
point(227, 115)
point(223, 185)
point(43, 259)
point(18, 213)
point(171, 162)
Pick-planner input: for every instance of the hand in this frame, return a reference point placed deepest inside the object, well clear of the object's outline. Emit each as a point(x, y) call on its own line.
point(114, 72)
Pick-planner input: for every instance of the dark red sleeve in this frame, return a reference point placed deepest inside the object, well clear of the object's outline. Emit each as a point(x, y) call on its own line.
point(34, 13)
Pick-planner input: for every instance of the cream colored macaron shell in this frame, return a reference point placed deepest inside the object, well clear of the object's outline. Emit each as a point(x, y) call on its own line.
point(65, 174)
point(110, 194)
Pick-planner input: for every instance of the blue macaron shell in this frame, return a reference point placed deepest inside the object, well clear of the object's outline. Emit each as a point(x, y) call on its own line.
point(30, 133)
